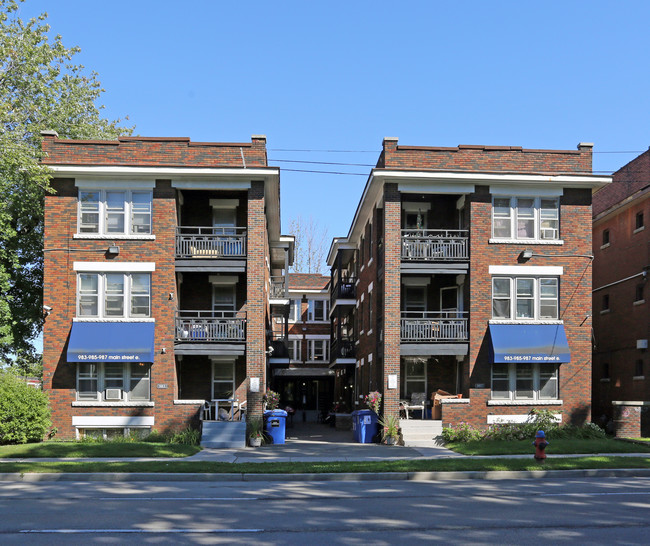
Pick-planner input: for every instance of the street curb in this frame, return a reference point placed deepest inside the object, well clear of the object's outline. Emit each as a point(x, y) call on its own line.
point(33, 477)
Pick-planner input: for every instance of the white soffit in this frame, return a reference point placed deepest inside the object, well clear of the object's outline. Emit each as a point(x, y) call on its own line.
point(532, 270)
point(131, 267)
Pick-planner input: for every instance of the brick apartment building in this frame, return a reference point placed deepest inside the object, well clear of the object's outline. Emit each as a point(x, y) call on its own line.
point(621, 245)
point(159, 256)
point(300, 361)
point(468, 270)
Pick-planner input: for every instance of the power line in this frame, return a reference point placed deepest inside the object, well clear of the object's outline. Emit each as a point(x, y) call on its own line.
point(324, 172)
point(323, 163)
point(324, 151)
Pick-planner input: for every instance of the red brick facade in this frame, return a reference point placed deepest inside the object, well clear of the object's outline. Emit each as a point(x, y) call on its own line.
point(478, 167)
point(620, 299)
point(178, 385)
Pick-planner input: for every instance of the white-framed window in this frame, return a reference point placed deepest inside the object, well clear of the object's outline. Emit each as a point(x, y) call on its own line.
point(415, 376)
point(294, 347)
point(223, 379)
point(114, 212)
point(525, 381)
point(525, 298)
point(318, 350)
point(223, 298)
point(113, 295)
point(317, 311)
point(526, 218)
point(295, 314)
point(109, 382)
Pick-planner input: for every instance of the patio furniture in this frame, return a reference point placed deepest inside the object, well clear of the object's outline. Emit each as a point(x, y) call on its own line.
point(418, 402)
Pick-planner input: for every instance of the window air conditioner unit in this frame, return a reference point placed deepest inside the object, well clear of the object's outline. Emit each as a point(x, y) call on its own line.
point(113, 394)
point(549, 233)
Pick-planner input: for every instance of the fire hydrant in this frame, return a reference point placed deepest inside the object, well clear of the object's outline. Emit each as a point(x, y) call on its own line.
point(540, 444)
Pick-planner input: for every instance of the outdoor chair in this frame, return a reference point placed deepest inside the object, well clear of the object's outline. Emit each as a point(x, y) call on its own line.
point(418, 402)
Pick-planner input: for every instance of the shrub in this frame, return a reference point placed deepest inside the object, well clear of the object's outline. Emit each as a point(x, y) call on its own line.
point(188, 436)
point(461, 433)
point(24, 411)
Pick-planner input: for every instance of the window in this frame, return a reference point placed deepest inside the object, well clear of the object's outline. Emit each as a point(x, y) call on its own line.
point(318, 350)
point(525, 218)
point(317, 310)
point(525, 298)
point(369, 312)
point(605, 370)
point(223, 379)
point(223, 299)
point(639, 221)
point(294, 311)
point(605, 237)
point(295, 350)
point(415, 376)
point(605, 302)
point(638, 292)
point(114, 295)
point(638, 368)
point(527, 381)
point(118, 212)
point(110, 382)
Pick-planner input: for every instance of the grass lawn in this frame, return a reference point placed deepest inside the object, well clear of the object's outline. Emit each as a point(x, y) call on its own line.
point(99, 449)
point(556, 447)
point(431, 465)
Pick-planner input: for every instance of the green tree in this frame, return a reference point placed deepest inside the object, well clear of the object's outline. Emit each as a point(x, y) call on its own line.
point(40, 90)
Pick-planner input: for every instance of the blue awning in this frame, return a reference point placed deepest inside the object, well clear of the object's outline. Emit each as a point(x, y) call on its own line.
point(528, 343)
point(111, 342)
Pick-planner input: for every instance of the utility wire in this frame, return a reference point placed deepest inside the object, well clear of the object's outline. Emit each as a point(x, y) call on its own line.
point(322, 163)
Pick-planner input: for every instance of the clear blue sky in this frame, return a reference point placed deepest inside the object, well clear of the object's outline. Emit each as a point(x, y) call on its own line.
point(343, 75)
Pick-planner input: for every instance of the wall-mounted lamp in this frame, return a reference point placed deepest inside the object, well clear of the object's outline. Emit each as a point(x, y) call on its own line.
point(163, 351)
point(171, 296)
point(47, 310)
point(113, 249)
point(526, 254)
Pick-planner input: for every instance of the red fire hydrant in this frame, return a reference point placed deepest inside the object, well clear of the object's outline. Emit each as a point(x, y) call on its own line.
point(540, 444)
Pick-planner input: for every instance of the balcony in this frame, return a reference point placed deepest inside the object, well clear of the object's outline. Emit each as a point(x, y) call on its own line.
point(210, 242)
point(433, 326)
point(344, 289)
point(210, 327)
point(343, 348)
point(278, 288)
point(435, 245)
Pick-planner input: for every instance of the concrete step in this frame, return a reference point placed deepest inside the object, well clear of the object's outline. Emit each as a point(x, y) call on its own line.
point(421, 433)
point(223, 434)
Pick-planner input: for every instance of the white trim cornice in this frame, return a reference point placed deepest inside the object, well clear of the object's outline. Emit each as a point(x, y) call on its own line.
point(532, 270)
point(132, 267)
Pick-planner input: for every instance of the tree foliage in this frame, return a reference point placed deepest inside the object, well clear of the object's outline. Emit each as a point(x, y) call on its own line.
point(310, 246)
point(24, 411)
point(40, 89)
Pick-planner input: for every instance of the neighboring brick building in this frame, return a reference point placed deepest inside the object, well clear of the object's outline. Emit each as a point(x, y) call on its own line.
point(159, 254)
point(621, 246)
point(468, 269)
point(300, 360)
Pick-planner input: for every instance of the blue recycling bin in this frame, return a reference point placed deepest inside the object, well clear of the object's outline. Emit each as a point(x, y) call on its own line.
point(276, 425)
point(367, 426)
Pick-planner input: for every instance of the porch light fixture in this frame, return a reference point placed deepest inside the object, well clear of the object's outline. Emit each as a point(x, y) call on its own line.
point(113, 249)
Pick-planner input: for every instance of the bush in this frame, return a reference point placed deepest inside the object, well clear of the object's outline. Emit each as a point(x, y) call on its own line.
point(461, 433)
point(189, 436)
point(24, 411)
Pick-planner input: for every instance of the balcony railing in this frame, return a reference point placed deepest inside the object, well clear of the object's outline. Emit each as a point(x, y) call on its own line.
point(344, 289)
point(433, 326)
point(278, 288)
point(432, 245)
point(210, 326)
point(343, 348)
point(210, 242)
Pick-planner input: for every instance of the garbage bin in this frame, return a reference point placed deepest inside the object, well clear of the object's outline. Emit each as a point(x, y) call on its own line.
point(275, 425)
point(367, 426)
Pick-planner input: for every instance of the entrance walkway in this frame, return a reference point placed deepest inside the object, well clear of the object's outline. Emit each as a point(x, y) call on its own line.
point(313, 442)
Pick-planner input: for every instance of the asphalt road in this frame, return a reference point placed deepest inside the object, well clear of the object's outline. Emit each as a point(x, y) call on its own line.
point(582, 511)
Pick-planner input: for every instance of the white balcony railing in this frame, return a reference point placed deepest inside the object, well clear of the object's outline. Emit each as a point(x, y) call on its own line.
point(435, 244)
point(210, 326)
point(210, 242)
point(433, 326)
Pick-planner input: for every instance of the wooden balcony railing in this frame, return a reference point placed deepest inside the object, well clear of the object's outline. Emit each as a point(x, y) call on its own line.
point(210, 326)
point(344, 289)
point(433, 326)
point(433, 245)
point(210, 242)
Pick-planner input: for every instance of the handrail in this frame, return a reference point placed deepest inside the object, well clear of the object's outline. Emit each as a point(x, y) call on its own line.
point(210, 326)
point(210, 242)
point(434, 326)
point(435, 244)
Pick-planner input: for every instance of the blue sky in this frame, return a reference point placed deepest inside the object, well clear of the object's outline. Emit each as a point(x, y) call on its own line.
point(343, 75)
